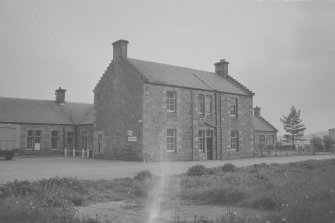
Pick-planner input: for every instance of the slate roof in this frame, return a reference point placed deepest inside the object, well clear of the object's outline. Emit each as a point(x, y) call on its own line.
point(186, 77)
point(260, 124)
point(19, 110)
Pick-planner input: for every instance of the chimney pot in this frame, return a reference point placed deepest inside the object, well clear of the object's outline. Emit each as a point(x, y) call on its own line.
point(120, 49)
point(257, 111)
point(221, 68)
point(60, 95)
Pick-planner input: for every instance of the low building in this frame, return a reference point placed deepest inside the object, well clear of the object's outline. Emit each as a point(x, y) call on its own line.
point(48, 127)
point(265, 134)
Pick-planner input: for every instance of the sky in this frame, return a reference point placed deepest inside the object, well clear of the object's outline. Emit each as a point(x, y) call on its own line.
point(284, 51)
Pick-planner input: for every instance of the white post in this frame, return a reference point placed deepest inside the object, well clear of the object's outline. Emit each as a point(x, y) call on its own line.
point(82, 153)
point(73, 152)
point(65, 152)
point(88, 153)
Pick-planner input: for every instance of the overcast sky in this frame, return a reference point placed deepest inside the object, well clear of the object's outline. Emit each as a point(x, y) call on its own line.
point(284, 51)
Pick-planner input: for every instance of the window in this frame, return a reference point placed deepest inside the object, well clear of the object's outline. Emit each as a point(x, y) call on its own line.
point(99, 142)
point(233, 106)
point(201, 104)
point(270, 139)
point(261, 139)
point(201, 138)
point(209, 105)
point(54, 139)
point(33, 137)
point(234, 140)
point(171, 140)
point(84, 139)
point(69, 140)
point(171, 101)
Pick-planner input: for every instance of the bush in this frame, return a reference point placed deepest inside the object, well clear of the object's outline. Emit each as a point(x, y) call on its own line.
point(228, 167)
point(143, 175)
point(199, 170)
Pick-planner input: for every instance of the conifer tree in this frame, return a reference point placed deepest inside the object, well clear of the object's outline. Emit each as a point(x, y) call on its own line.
point(293, 126)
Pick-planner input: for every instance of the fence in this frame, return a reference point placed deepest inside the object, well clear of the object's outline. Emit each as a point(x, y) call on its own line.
point(83, 153)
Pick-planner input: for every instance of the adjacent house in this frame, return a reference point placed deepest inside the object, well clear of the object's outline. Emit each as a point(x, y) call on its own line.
point(152, 111)
point(265, 134)
point(47, 127)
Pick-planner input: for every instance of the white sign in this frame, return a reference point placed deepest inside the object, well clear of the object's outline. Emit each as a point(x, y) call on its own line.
point(37, 146)
point(132, 138)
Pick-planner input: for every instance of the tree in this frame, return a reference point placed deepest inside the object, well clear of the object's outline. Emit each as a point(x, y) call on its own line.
point(293, 126)
point(316, 143)
point(328, 143)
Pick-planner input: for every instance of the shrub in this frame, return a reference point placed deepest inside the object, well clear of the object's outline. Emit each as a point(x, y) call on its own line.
point(199, 170)
point(143, 175)
point(228, 167)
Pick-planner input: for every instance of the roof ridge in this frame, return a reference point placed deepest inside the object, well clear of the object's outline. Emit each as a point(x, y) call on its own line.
point(44, 100)
point(173, 65)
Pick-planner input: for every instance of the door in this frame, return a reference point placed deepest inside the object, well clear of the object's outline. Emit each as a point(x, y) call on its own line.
point(209, 144)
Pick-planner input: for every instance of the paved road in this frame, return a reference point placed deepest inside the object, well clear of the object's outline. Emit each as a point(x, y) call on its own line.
point(46, 167)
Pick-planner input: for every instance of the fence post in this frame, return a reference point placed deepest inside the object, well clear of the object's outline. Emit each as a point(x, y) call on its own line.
point(65, 152)
point(73, 152)
point(82, 153)
point(88, 153)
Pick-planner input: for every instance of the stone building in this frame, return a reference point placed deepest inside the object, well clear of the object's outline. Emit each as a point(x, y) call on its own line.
point(47, 127)
point(153, 111)
point(265, 134)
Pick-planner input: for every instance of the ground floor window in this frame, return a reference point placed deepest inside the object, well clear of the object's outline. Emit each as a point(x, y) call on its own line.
point(54, 139)
point(201, 138)
point(99, 142)
point(261, 139)
point(34, 138)
point(171, 139)
point(234, 140)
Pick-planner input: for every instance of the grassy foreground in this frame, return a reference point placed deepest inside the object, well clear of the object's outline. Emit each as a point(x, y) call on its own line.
point(295, 192)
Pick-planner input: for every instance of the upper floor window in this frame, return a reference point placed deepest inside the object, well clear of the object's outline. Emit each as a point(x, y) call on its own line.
point(201, 104)
point(171, 140)
point(171, 101)
point(234, 140)
point(54, 139)
point(209, 105)
point(233, 106)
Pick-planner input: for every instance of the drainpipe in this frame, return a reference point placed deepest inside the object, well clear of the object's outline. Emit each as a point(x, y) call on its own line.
point(221, 126)
point(192, 141)
point(216, 124)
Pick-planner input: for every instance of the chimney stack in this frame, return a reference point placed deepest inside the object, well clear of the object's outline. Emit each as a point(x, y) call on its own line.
point(221, 68)
point(60, 95)
point(257, 111)
point(120, 49)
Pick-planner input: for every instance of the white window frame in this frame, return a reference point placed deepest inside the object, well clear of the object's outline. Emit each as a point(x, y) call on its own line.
point(202, 140)
point(171, 140)
point(201, 104)
point(171, 102)
point(234, 140)
point(100, 142)
point(209, 105)
point(233, 107)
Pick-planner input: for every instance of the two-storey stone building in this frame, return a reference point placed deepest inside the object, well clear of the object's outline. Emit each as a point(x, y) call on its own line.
point(153, 111)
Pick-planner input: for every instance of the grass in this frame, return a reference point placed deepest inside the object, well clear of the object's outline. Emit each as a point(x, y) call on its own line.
point(296, 192)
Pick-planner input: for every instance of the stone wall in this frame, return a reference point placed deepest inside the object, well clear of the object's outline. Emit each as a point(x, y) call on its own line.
point(118, 100)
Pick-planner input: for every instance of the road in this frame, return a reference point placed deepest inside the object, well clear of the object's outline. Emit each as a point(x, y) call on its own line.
point(46, 167)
